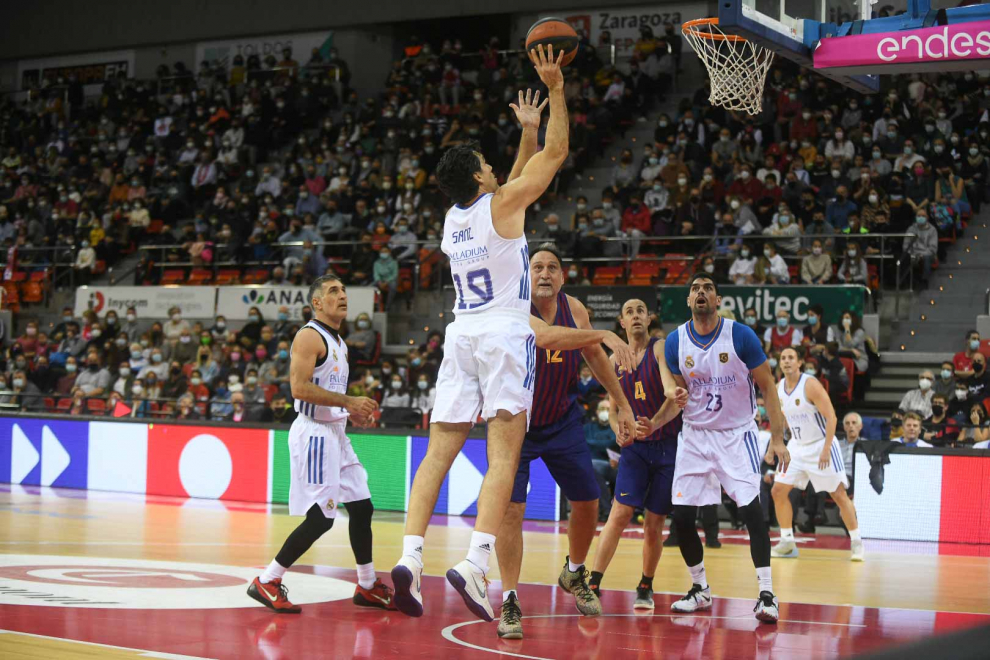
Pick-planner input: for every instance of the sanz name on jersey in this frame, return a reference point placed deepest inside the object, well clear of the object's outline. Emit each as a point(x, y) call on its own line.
point(462, 236)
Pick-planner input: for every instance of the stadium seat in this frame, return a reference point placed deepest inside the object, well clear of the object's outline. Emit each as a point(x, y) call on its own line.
point(228, 276)
point(64, 404)
point(32, 292)
point(174, 276)
point(39, 275)
point(199, 276)
point(18, 276)
point(11, 296)
point(50, 404)
point(607, 275)
point(100, 267)
point(96, 406)
point(187, 369)
point(850, 365)
point(155, 227)
point(270, 391)
point(255, 276)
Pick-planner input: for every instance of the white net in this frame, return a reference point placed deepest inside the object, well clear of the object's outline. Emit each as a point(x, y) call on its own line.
point(737, 67)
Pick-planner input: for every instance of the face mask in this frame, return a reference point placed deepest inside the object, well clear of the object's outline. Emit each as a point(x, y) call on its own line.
point(939, 148)
point(422, 385)
point(283, 354)
point(363, 325)
point(937, 410)
point(810, 371)
point(782, 322)
point(71, 368)
point(136, 389)
point(836, 174)
point(745, 175)
point(254, 318)
point(924, 384)
point(761, 410)
point(744, 254)
point(96, 333)
point(607, 206)
point(921, 219)
point(946, 374)
point(603, 416)
point(812, 319)
point(891, 135)
point(682, 181)
point(185, 339)
point(369, 381)
point(734, 204)
point(874, 199)
point(387, 370)
point(252, 380)
point(973, 151)
point(750, 321)
point(768, 254)
point(784, 220)
point(396, 384)
point(136, 355)
point(773, 363)
point(709, 268)
point(121, 343)
point(961, 394)
point(847, 323)
point(974, 344)
point(235, 356)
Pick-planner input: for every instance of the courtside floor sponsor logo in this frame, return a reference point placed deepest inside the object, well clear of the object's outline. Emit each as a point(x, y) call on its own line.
point(98, 582)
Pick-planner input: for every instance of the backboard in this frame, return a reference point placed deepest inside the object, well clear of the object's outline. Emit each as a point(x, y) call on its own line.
point(854, 41)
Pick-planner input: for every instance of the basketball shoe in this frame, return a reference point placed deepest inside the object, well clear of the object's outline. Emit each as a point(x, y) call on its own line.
point(766, 607)
point(406, 579)
point(576, 582)
point(644, 597)
point(694, 601)
point(786, 549)
point(380, 596)
point(510, 619)
point(472, 585)
point(274, 595)
point(858, 552)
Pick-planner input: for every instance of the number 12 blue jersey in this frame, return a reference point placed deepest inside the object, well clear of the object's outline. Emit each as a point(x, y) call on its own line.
point(489, 272)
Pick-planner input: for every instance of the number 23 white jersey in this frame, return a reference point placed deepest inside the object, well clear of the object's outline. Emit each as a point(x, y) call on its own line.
point(489, 272)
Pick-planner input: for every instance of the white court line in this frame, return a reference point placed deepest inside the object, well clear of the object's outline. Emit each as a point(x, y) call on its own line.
point(448, 632)
point(141, 652)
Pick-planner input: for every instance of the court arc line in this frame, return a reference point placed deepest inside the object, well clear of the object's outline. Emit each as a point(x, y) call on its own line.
point(448, 632)
point(144, 653)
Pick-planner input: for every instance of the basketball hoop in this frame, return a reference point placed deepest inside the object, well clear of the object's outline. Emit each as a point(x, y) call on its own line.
point(737, 67)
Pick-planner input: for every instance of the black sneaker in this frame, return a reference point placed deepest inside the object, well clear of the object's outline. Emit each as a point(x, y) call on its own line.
point(766, 607)
point(510, 620)
point(806, 527)
point(644, 597)
point(713, 543)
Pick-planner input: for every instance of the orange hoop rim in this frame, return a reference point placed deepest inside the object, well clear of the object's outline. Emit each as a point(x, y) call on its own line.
point(688, 27)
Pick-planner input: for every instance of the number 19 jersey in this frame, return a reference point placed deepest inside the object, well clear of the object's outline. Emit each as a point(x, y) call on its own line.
point(489, 272)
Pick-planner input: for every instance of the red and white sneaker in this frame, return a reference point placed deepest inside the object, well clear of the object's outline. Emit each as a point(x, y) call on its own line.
point(380, 596)
point(273, 595)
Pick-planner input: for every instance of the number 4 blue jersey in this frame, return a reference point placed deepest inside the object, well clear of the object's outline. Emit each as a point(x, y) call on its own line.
point(489, 272)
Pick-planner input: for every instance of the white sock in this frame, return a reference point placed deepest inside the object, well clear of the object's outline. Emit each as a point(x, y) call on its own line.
point(412, 547)
point(766, 582)
point(786, 533)
point(366, 575)
point(481, 549)
point(507, 593)
point(698, 575)
point(572, 567)
point(855, 535)
point(273, 572)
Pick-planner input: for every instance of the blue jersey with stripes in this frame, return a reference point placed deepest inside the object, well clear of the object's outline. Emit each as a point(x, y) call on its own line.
point(644, 391)
point(330, 373)
point(556, 373)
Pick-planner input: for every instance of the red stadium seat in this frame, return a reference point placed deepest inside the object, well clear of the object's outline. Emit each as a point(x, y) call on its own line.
point(200, 276)
point(64, 404)
point(96, 406)
point(228, 276)
point(174, 276)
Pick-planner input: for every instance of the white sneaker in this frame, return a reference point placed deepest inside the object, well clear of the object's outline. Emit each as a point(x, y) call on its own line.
point(858, 552)
point(784, 550)
point(766, 607)
point(696, 600)
point(407, 577)
point(472, 585)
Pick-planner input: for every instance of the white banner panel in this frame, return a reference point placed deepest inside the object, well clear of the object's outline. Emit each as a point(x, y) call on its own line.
point(911, 504)
point(301, 44)
point(92, 69)
point(233, 302)
point(118, 457)
point(196, 302)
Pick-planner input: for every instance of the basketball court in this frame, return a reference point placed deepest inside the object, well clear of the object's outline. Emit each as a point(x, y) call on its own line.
point(91, 574)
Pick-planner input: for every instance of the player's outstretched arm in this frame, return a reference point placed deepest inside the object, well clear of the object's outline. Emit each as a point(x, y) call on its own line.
point(306, 350)
point(818, 397)
point(675, 396)
point(776, 452)
point(622, 436)
point(528, 113)
point(568, 339)
point(511, 200)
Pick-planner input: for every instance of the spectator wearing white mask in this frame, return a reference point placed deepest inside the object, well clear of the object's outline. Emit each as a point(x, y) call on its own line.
point(425, 395)
point(920, 400)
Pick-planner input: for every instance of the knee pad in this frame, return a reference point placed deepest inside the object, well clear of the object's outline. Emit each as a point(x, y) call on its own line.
point(684, 516)
point(360, 512)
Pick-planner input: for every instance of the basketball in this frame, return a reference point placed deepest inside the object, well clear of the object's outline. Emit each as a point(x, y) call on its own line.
point(554, 32)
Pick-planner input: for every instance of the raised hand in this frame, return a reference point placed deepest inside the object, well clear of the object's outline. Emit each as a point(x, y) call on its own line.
point(546, 67)
point(528, 112)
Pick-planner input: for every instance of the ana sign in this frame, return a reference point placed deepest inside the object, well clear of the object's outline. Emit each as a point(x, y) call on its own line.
point(196, 302)
point(234, 302)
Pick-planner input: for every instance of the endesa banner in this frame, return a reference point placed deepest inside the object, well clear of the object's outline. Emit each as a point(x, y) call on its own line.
point(961, 46)
point(234, 463)
point(926, 497)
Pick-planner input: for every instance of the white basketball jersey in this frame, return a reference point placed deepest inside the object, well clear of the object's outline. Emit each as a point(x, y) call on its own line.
point(718, 381)
point(806, 423)
point(489, 272)
point(331, 374)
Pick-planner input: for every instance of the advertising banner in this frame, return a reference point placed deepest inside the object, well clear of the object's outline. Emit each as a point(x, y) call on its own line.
point(196, 302)
point(961, 44)
point(234, 302)
point(604, 303)
point(301, 44)
point(44, 452)
point(383, 456)
point(459, 492)
point(92, 69)
point(768, 300)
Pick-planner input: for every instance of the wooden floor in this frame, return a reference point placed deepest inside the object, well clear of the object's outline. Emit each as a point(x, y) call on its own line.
point(114, 541)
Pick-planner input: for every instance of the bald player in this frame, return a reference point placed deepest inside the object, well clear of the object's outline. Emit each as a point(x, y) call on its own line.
point(646, 466)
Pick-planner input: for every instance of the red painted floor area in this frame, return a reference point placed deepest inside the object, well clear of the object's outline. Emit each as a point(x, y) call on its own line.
point(553, 629)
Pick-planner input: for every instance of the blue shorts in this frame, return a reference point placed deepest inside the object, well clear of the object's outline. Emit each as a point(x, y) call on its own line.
point(646, 477)
point(567, 456)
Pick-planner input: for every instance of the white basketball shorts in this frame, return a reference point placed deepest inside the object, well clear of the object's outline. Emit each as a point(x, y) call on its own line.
point(489, 364)
point(324, 470)
point(804, 468)
point(711, 459)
